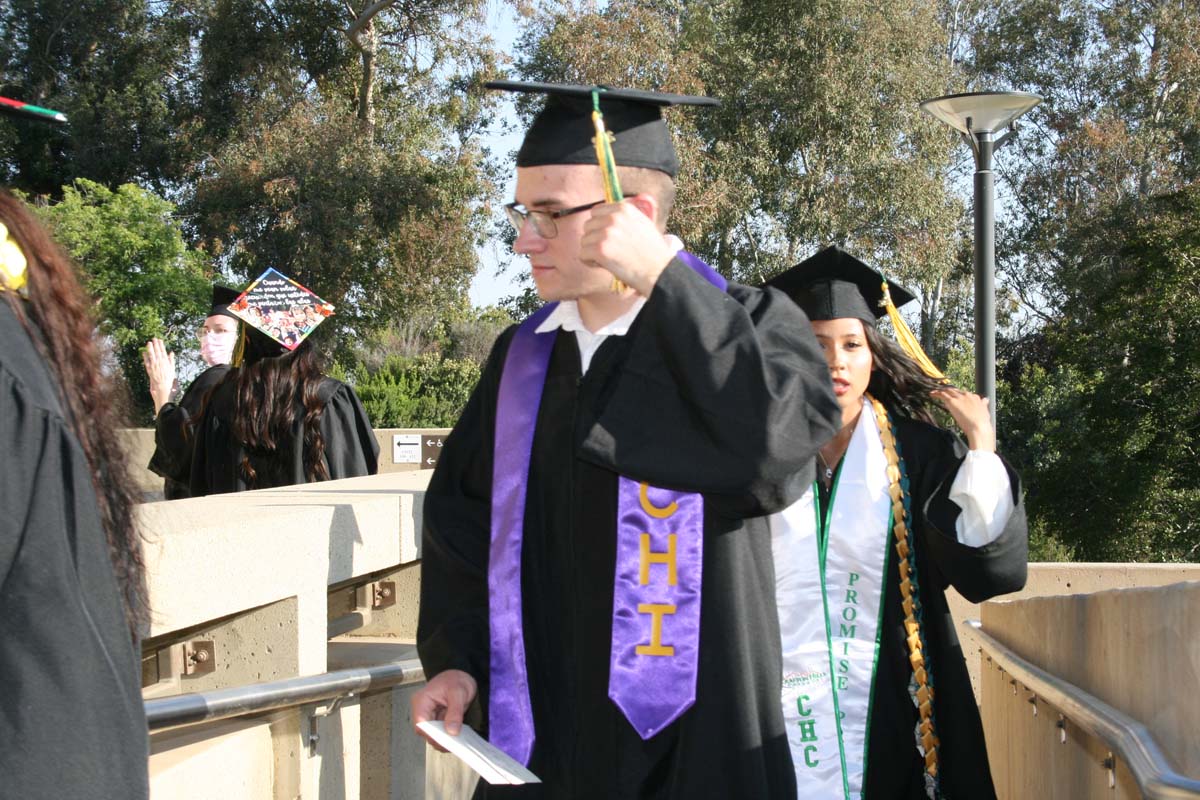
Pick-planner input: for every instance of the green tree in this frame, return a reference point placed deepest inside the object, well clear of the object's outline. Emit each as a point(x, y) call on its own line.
point(333, 141)
point(378, 231)
point(420, 371)
point(346, 158)
point(1101, 410)
point(1095, 403)
point(109, 65)
point(1120, 122)
point(819, 139)
point(147, 281)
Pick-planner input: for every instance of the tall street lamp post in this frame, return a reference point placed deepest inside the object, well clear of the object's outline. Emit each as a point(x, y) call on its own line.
point(978, 116)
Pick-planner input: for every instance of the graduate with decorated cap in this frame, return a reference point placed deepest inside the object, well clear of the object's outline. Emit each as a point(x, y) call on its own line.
point(875, 691)
point(596, 593)
point(172, 457)
point(274, 419)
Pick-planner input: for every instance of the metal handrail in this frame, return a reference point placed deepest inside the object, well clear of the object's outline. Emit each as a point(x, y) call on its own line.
point(1124, 735)
point(185, 709)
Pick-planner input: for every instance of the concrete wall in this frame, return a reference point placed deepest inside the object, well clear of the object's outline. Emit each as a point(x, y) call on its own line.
point(1051, 579)
point(1137, 650)
point(139, 443)
point(252, 573)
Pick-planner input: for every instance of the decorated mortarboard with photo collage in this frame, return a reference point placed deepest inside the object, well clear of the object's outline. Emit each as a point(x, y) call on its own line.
point(281, 309)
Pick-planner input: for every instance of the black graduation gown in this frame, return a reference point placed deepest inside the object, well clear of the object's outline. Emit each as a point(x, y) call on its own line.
point(173, 435)
point(725, 394)
point(895, 770)
point(72, 722)
point(351, 449)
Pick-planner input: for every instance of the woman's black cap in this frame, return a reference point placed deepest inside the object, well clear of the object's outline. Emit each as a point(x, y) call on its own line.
point(222, 296)
point(563, 132)
point(833, 284)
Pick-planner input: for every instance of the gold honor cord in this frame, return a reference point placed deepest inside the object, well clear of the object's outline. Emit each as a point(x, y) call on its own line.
point(608, 166)
point(910, 600)
point(907, 340)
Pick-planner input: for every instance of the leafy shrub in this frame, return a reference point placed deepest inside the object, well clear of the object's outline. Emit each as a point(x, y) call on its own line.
point(425, 391)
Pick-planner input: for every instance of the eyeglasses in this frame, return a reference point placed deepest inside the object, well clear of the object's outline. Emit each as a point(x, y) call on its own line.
point(543, 221)
point(204, 330)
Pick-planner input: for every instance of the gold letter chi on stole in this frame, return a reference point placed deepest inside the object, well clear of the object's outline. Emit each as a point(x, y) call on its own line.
point(656, 604)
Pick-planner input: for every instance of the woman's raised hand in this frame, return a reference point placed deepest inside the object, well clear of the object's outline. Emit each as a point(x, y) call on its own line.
point(160, 369)
point(971, 413)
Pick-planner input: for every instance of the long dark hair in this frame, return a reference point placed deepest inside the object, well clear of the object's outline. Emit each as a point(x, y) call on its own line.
point(267, 393)
point(92, 400)
point(898, 381)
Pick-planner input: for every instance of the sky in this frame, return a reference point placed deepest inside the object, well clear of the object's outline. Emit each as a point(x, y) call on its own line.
point(488, 288)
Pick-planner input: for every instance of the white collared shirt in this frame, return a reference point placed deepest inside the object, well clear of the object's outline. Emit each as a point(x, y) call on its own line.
point(566, 316)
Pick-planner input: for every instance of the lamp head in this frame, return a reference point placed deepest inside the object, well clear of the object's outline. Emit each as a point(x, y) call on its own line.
point(980, 112)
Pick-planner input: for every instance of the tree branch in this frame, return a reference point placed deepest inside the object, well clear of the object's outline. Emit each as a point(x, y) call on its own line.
point(365, 18)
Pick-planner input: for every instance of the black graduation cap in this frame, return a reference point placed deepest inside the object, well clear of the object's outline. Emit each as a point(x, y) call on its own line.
point(833, 284)
point(222, 296)
point(279, 314)
point(563, 131)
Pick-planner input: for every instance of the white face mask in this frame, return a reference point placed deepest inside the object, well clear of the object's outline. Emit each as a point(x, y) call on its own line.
point(217, 348)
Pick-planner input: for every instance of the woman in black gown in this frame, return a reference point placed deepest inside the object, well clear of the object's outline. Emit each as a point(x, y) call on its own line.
point(875, 690)
point(72, 592)
point(275, 420)
point(172, 458)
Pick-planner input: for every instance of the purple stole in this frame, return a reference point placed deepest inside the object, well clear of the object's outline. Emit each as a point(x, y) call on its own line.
point(656, 594)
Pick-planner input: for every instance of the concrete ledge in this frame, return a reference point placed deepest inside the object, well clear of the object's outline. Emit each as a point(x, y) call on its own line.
point(210, 557)
point(252, 572)
point(231, 759)
point(392, 758)
point(139, 446)
point(1136, 649)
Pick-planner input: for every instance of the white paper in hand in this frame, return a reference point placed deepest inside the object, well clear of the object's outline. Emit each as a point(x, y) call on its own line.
point(492, 763)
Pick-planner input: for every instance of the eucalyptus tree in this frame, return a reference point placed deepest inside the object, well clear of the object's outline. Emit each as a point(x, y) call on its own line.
point(819, 139)
point(337, 142)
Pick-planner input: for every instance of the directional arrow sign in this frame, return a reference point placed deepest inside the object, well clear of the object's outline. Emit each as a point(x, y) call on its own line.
point(431, 449)
point(406, 448)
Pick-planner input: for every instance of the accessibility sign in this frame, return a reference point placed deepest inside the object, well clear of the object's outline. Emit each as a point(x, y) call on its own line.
point(431, 449)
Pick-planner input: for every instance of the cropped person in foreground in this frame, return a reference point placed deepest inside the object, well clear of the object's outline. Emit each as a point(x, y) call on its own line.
point(72, 589)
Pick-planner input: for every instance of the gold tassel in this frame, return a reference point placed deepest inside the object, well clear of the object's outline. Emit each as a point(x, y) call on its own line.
point(239, 349)
point(908, 341)
point(608, 166)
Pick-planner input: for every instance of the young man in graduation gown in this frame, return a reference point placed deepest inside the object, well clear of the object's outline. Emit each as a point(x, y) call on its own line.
point(876, 695)
point(173, 433)
point(596, 570)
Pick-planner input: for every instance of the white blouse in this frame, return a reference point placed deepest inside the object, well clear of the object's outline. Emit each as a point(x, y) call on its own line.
point(982, 490)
